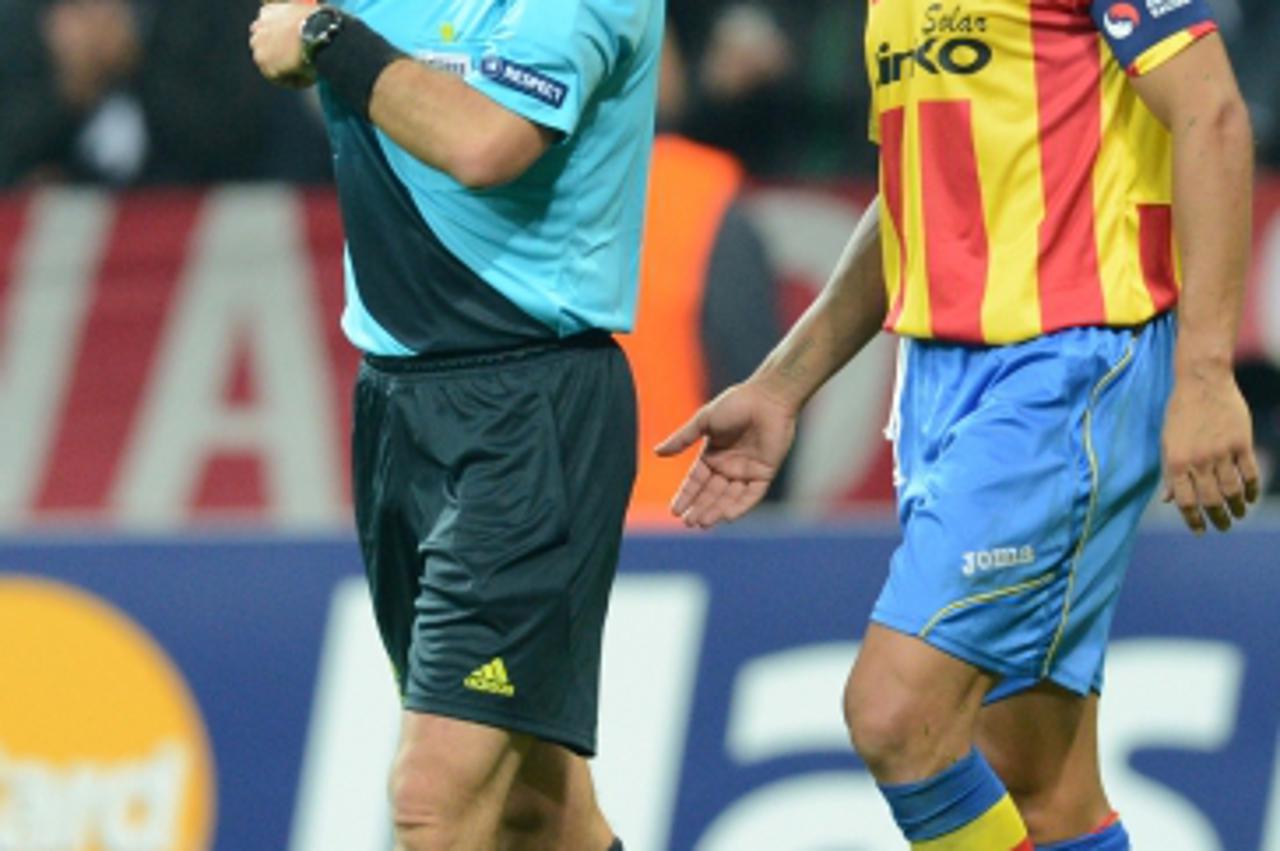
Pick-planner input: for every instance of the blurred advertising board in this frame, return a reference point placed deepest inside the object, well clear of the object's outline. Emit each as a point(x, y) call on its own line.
point(193, 693)
point(174, 356)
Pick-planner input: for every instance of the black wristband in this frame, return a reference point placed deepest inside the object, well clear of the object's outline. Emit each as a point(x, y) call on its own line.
point(352, 63)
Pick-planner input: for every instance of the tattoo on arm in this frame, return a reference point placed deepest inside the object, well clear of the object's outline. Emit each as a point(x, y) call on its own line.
point(792, 366)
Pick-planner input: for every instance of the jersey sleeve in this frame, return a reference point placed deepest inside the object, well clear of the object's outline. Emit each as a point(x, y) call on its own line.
point(547, 57)
point(1144, 34)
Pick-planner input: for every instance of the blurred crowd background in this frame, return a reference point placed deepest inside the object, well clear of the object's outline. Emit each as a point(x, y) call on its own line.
point(133, 92)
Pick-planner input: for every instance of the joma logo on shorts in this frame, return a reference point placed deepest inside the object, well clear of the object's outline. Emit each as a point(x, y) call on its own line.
point(985, 561)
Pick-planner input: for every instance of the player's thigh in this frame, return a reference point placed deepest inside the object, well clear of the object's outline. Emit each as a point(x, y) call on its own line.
point(911, 707)
point(1043, 743)
point(450, 770)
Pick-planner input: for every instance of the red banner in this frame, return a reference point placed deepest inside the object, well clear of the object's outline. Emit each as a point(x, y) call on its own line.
point(169, 358)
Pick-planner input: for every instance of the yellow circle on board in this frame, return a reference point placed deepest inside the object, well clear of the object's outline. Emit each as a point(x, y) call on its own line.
point(102, 746)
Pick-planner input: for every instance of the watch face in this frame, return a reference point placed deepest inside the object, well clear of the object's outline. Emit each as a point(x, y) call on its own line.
point(319, 29)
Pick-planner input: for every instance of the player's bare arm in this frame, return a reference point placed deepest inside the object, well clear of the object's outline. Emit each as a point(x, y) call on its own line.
point(749, 428)
point(432, 114)
point(1210, 467)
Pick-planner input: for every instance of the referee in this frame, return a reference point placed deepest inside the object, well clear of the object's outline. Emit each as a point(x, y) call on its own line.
point(491, 161)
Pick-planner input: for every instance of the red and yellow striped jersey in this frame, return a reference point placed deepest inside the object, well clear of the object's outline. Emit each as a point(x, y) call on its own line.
point(1024, 187)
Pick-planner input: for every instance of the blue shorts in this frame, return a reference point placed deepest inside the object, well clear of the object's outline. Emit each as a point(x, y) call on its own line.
point(1022, 472)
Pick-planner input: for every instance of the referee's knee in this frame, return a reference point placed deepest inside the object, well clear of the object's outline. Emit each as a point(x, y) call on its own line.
point(422, 813)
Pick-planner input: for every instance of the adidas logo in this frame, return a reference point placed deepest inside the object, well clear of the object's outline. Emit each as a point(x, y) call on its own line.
point(491, 679)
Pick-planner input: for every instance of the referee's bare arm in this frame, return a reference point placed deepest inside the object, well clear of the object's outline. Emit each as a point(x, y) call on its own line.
point(447, 124)
point(1210, 468)
point(432, 114)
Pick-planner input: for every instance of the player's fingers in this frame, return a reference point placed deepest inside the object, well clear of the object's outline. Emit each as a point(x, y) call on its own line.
point(705, 501)
point(752, 493)
point(719, 510)
point(698, 474)
point(1184, 495)
point(1247, 464)
point(1219, 516)
point(1231, 488)
point(1210, 496)
point(687, 435)
point(699, 501)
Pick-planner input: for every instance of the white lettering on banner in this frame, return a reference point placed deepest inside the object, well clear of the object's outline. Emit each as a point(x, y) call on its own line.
point(652, 646)
point(127, 806)
point(245, 284)
point(1271, 832)
point(833, 809)
point(808, 681)
point(248, 282)
point(342, 801)
point(788, 704)
point(39, 333)
point(1168, 693)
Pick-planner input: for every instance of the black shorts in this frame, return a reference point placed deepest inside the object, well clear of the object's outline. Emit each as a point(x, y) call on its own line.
point(490, 493)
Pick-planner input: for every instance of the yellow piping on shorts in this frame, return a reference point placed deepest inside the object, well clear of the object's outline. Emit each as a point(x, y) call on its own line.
point(985, 597)
point(1094, 478)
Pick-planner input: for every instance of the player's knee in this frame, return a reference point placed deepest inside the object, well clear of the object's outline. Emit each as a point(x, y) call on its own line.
point(900, 736)
point(882, 738)
point(880, 728)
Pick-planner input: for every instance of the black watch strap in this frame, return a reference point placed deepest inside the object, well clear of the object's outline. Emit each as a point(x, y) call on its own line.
point(351, 65)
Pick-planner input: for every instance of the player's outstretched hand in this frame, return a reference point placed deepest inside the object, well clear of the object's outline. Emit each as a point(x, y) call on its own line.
point(1210, 468)
point(747, 435)
point(276, 40)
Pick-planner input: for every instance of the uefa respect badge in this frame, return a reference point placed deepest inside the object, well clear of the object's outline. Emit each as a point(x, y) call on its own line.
point(102, 746)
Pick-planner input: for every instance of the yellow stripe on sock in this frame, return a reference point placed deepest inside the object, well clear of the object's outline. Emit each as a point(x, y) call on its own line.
point(999, 829)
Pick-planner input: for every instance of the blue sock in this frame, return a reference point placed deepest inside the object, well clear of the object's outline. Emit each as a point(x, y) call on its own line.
point(966, 805)
point(1112, 838)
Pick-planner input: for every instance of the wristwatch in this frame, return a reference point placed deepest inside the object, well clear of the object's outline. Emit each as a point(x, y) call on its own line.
point(319, 29)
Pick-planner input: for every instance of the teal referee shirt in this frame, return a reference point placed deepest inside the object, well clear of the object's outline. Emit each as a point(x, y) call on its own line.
point(435, 268)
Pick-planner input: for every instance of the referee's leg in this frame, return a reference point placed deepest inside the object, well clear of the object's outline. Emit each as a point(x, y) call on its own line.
point(461, 786)
point(552, 805)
